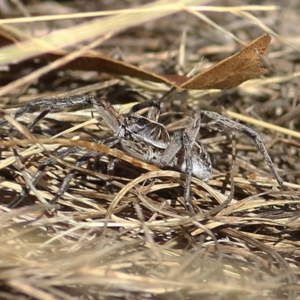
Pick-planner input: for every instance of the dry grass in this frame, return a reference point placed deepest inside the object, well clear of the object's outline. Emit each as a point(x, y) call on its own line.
point(134, 239)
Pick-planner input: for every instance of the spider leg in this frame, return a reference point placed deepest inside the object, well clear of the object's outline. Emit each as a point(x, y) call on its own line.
point(184, 153)
point(106, 111)
point(222, 123)
point(172, 149)
point(49, 104)
point(113, 119)
point(142, 151)
point(63, 188)
point(188, 153)
point(154, 109)
point(36, 178)
point(37, 119)
point(112, 142)
point(188, 139)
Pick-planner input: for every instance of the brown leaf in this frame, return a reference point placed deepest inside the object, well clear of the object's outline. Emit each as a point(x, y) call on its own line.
point(226, 74)
point(101, 63)
point(232, 71)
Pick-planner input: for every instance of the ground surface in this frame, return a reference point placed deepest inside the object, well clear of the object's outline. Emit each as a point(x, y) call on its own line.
point(133, 238)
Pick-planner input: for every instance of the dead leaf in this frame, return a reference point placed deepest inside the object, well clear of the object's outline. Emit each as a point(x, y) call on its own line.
point(226, 74)
point(232, 71)
point(101, 63)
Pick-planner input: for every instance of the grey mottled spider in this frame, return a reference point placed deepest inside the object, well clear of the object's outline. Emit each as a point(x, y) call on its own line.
point(145, 138)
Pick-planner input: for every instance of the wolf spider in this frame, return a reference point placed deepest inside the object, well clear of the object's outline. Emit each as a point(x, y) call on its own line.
point(144, 138)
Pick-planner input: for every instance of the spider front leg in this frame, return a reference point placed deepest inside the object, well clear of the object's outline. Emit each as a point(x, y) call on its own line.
point(46, 105)
point(221, 123)
point(154, 109)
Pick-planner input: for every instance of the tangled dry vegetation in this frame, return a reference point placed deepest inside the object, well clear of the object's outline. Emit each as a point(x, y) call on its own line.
point(132, 238)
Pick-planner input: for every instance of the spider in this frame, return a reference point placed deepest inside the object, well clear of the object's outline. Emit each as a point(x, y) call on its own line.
point(144, 138)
